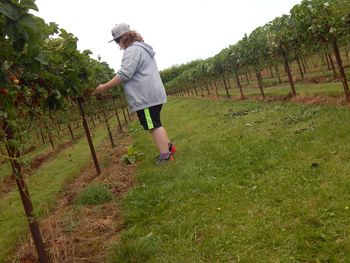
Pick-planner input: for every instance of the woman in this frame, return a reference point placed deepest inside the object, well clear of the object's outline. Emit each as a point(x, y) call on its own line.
point(143, 86)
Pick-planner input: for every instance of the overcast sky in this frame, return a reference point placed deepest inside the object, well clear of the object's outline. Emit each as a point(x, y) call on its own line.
point(179, 31)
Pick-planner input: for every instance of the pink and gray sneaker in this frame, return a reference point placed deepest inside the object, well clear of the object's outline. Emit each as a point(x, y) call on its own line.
point(168, 156)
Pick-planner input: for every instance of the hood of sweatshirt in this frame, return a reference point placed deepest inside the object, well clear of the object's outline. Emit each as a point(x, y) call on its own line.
point(146, 47)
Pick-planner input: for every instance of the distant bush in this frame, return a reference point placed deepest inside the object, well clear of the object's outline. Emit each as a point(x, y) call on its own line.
point(94, 194)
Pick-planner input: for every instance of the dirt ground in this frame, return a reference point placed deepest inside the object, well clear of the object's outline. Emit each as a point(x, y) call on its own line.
point(85, 233)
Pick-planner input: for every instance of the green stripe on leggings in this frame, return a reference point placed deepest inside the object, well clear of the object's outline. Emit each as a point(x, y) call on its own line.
point(148, 119)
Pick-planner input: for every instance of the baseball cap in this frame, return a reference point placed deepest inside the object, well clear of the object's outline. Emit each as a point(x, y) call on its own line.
point(118, 30)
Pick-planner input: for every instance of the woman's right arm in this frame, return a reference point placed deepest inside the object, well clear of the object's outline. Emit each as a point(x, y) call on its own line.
point(116, 81)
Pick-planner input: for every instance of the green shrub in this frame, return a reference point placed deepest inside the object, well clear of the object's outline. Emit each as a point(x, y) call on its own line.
point(132, 156)
point(94, 194)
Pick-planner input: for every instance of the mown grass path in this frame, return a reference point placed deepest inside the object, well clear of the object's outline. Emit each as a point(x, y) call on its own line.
point(252, 182)
point(331, 90)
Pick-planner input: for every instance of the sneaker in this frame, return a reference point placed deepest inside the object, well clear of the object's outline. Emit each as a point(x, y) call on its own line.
point(172, 148)
point(163, 158)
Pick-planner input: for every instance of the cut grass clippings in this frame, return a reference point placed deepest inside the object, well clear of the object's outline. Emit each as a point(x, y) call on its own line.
point(44, 185)
point(85, 232)
point(251, 182)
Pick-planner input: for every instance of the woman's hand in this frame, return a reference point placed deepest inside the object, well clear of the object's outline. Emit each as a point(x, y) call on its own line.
point(100, 88)
point(110, 84)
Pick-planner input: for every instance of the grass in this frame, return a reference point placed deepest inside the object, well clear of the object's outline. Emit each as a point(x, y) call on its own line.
point(332, 89)
point(44, 186)
point(40, 148)
point(94, 194)
point(252, 182)
point(5, 170)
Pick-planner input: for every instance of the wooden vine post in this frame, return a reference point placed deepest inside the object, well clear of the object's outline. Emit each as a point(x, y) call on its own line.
point(17, 169)
point(88, 136)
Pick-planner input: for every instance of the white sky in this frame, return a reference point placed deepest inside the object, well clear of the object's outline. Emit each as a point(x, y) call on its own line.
point(179, 30)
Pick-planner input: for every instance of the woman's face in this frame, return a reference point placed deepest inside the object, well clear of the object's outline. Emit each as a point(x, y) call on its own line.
point(120, 43)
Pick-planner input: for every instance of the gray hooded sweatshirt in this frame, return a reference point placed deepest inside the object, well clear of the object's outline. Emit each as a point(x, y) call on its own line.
point(140, 76)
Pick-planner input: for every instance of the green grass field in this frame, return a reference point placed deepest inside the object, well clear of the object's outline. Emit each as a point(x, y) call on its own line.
point(252, 182)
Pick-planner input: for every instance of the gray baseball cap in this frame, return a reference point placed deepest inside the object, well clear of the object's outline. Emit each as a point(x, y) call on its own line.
point(118, 30)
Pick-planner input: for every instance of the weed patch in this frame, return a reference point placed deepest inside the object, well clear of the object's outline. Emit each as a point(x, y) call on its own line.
point(94, 194)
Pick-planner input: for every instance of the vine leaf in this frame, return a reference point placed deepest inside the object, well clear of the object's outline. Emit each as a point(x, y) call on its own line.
point(9, 11)
point(29, 4)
